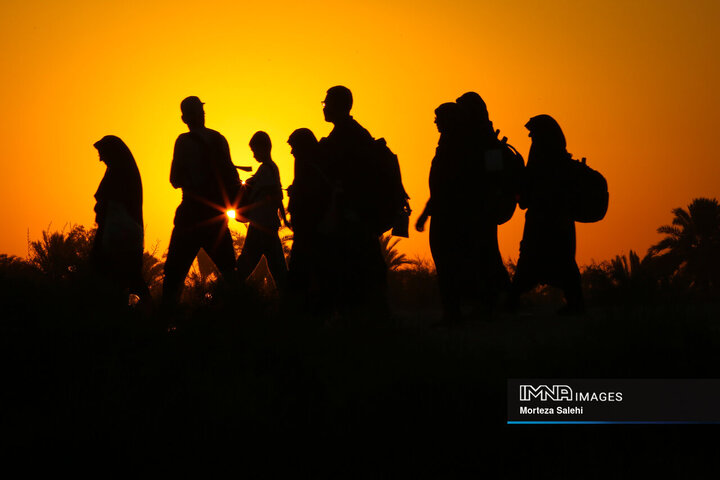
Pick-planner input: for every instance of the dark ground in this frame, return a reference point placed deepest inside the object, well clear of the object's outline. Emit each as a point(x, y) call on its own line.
point(239, 384)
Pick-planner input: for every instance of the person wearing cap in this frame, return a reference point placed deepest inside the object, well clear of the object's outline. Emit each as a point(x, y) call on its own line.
point(203, 170)
point(360, 269)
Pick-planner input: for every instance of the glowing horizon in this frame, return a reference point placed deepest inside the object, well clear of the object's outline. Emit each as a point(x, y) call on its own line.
point(631, 84)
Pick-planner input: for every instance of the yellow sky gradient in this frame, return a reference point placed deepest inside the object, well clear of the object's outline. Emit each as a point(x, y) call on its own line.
point(633, 84)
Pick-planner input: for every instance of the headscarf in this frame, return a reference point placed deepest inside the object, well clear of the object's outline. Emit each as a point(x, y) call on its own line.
point(449, 118)
point(477, 118)
point(121, 182)
point(548, 146)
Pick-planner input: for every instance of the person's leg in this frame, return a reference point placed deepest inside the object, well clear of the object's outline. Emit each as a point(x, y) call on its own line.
point(183, 248)
point(449, 271)
point(275, 257)
point(525, 278)
point(572, 288)
point(251, 253)
point(491, 276)
point(218, 245)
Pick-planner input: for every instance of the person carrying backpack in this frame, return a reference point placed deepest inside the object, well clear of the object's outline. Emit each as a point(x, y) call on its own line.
point(547, 249)
point(472, 190)
point(491, 177)
point(352, 163)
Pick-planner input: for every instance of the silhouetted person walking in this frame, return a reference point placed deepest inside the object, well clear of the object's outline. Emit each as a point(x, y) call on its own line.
point(490, 169)
point(118, 247)
point(547, 249)
point(360, 270)
point(202, 168)
point(450, 235)
point(309, 207)
point(263, 199)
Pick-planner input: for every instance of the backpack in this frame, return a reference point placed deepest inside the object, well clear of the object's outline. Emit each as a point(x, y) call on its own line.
point(589, 195)
point(502, 168)
point(388, 197)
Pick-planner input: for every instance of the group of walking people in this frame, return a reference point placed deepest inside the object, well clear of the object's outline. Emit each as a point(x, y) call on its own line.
point(476, 180)
point(336, 265)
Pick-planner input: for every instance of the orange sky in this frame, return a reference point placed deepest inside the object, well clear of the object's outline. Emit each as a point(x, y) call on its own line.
point(633, 84)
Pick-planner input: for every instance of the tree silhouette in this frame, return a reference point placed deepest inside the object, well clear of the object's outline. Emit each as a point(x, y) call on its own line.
point(692, 244)
point(393, 259)
point(60, 254)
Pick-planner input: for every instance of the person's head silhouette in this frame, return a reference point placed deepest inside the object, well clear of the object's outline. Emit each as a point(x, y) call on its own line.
point(448, 117)
point(193, 112)
point(261, 146)
point(475, 108)
point(302, 142)
point(548, 142)
point(113, 152)
point(546, 132)
point(337, 104)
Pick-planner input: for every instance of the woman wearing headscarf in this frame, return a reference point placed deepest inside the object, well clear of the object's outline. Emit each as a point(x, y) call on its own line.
point(451, 240)
point(547, 249)
point(118, 248)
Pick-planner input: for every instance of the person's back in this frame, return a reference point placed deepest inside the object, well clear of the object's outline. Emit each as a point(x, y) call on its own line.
point(203, 170)
point(347, 149)
point(358, 260)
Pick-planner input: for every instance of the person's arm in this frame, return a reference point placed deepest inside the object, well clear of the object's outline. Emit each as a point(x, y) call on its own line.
point(178, 175)
point(427, 212)
point(228, 166)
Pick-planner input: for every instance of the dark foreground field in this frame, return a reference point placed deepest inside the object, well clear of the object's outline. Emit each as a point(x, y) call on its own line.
point(240, 384)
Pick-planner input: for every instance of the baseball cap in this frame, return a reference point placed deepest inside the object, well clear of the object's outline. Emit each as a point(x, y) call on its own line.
point(191, 104)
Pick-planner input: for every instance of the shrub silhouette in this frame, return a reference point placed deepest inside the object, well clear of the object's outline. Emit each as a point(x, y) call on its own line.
point(60, 254)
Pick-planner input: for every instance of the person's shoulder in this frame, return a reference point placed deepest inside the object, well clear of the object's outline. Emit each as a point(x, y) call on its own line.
point(268, 167)
point(185, 141)
point(272, 166)
point(183, 137)
point(359, 129)
point(215, 135)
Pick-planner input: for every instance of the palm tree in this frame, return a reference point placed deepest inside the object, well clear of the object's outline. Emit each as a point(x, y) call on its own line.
point(393, 259)
point(59, 254)
point(692, 244)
